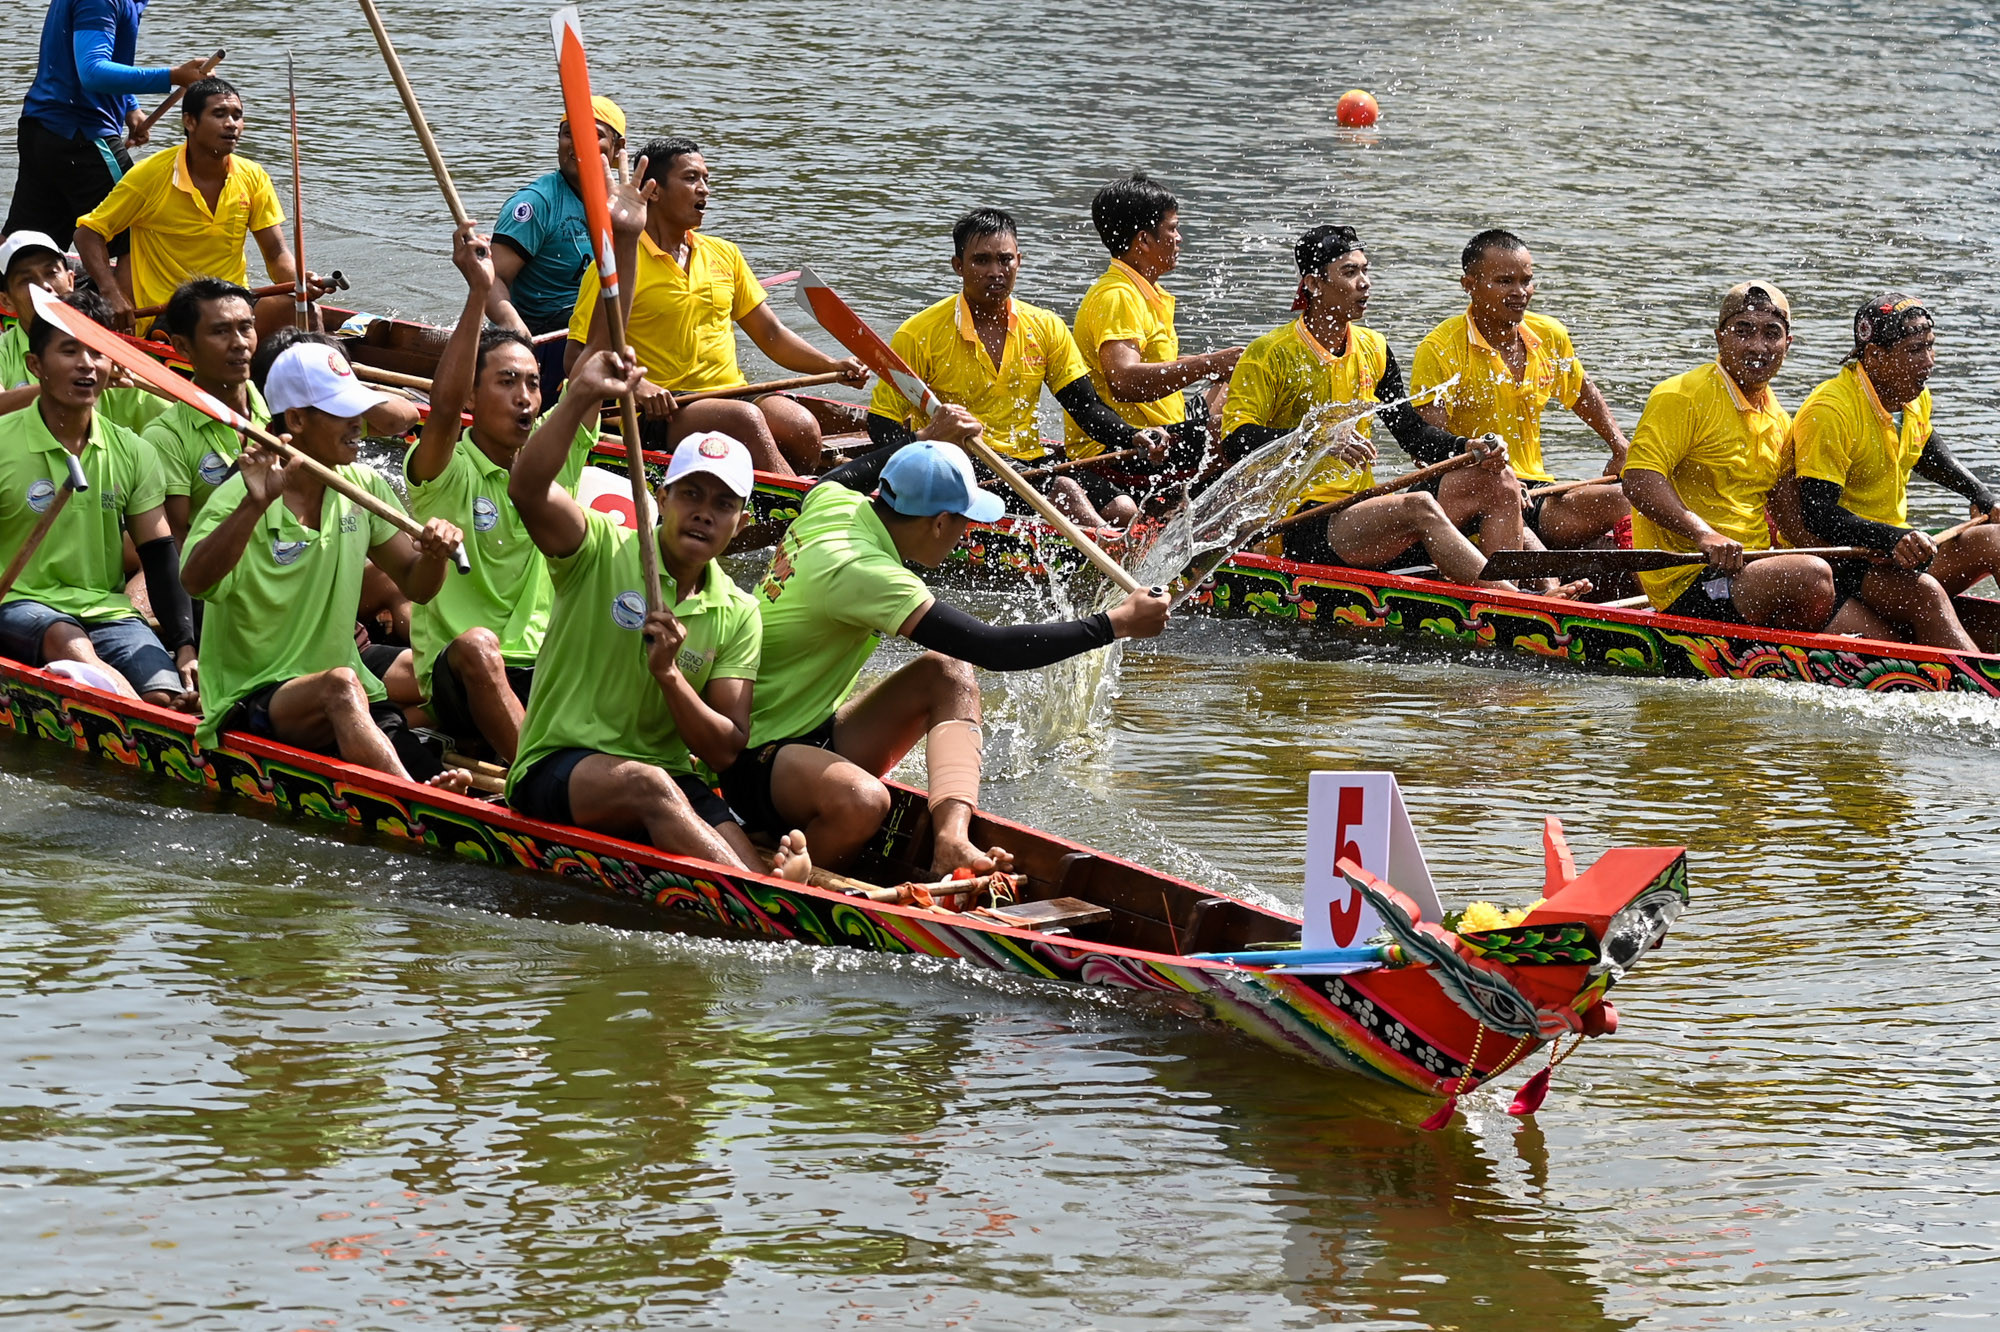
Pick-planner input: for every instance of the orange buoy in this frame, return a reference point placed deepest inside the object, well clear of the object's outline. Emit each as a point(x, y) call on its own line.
point(1357, 109)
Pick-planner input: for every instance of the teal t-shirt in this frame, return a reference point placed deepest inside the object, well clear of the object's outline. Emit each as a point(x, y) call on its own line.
point(544, 220)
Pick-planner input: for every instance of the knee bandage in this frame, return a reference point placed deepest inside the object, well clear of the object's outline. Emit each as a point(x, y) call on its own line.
point(952, 751)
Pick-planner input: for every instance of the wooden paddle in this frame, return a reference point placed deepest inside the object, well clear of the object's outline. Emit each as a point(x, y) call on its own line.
point(1564, 487)
point(174, 97)
point(1403, 482)
point(74, 482)
point(1959, 530)
point(573, 69)
point(451, 200)
point(302, 304)
point(381, 376)
point(1096, 460)
point(852, 332)
point(333, 281)
point(1192, 582)
point(170, 385)
point(1511, 564)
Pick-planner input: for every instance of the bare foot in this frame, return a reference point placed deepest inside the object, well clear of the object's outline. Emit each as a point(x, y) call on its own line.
point(953, 853)
point(455, 780)
point(792, 860)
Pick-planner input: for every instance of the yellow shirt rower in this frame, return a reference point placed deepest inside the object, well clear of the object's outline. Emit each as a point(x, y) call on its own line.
point(993, 355)
point(1853, 446)
point(689, 293)
point(188, 210)
point(1325, 371)
point(1510, 361)
point(1125, 332)
point(1703, 459)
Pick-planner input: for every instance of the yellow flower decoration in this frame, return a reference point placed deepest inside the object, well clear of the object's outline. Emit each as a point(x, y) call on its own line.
point(1482, 916)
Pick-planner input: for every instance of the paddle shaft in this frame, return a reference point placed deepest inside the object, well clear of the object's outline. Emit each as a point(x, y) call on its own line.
point(409, 95)
point(628, 419)
point(1099, 460)
point(1055, 518)
point(400, 380)
point(1959, 530)
point(74, 482)
point(256, 293)
point(174, 97)
point(301, 312)
point(1407, 479)
point(1564, 487)
point(1574, 563)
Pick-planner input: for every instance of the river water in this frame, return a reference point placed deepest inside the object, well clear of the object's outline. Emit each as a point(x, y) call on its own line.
point(251, 1078)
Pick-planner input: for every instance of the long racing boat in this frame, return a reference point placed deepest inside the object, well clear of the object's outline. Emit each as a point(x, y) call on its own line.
point(1415, 609)
point(1436, 1010)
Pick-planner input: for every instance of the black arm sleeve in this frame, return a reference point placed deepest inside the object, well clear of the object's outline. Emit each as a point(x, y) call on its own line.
point(1936, 463)
point(862, 473)
point(1247, 439)
point(1420, 439)
point(1079, 398)
point(1826, 519)
point(171, 607)
point(1014, 647)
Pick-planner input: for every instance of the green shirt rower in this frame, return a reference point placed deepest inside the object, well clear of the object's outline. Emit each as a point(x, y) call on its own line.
point(213, 324)
point(278, 557)
point(628, 704)
point(475, 643)
point(68, 604)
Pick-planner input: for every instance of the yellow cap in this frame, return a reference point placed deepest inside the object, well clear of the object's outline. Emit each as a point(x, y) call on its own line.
point(607, 114)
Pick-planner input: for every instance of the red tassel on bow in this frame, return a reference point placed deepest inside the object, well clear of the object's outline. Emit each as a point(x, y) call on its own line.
point(1442, 1116)
point(1533, 1092)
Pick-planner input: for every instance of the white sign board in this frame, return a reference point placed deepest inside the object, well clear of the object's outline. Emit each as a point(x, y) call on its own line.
point(610, 494)
point(1359, 816)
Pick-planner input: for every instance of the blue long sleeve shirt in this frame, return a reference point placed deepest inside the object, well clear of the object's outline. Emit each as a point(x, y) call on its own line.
point(86, 82)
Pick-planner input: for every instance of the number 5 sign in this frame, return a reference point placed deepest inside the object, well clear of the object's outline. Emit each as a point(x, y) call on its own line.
point(1359, 816)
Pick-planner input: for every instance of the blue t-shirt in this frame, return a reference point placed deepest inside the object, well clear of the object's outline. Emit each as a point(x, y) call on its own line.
point(544, 221)
point(85, 81)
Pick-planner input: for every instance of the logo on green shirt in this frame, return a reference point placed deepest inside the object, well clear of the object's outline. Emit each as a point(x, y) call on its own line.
point(628, 610)
point(286, 552)
point(214, 468)
point(41, 494)
point(485, 514)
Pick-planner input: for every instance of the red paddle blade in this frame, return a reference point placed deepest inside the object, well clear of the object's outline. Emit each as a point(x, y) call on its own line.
point(573, 68)
point(141, 366)
point(852, 332)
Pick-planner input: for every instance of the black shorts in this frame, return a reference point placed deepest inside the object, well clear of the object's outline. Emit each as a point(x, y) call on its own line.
point(252, 714)
point(449, 707)
point(1848, 575)
point(1531, 513)
point(1306, 543)
point(61, 179)
point(747, 784)
point(543, 791)
point(1701, 602)
point(380, 659)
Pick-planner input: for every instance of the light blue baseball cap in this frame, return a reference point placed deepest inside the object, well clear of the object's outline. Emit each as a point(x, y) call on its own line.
point(930, 477)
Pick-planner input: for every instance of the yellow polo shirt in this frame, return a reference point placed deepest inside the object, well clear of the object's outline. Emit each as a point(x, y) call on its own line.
point(1286, 374)
point(1124, 306)
point(175, 235)
point(683, 321)
point(1487, 397)
point(941, 345)
point(1843, 434)
point(1721, 451)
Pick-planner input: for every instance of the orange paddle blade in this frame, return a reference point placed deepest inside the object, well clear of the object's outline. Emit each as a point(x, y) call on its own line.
point(573, 67)
point(139, 365)
point(852, 332)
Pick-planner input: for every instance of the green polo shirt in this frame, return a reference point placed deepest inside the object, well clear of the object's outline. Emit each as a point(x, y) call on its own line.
point(508, 590)
point(835, 589)
point(592, 689)
point(287, 608)
point(133, 408)
point(197, 451)
point(80, 567)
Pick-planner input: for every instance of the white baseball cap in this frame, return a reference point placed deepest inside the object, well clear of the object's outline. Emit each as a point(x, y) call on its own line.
point(717, 454)
point(23, 241)
point(312, 374)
